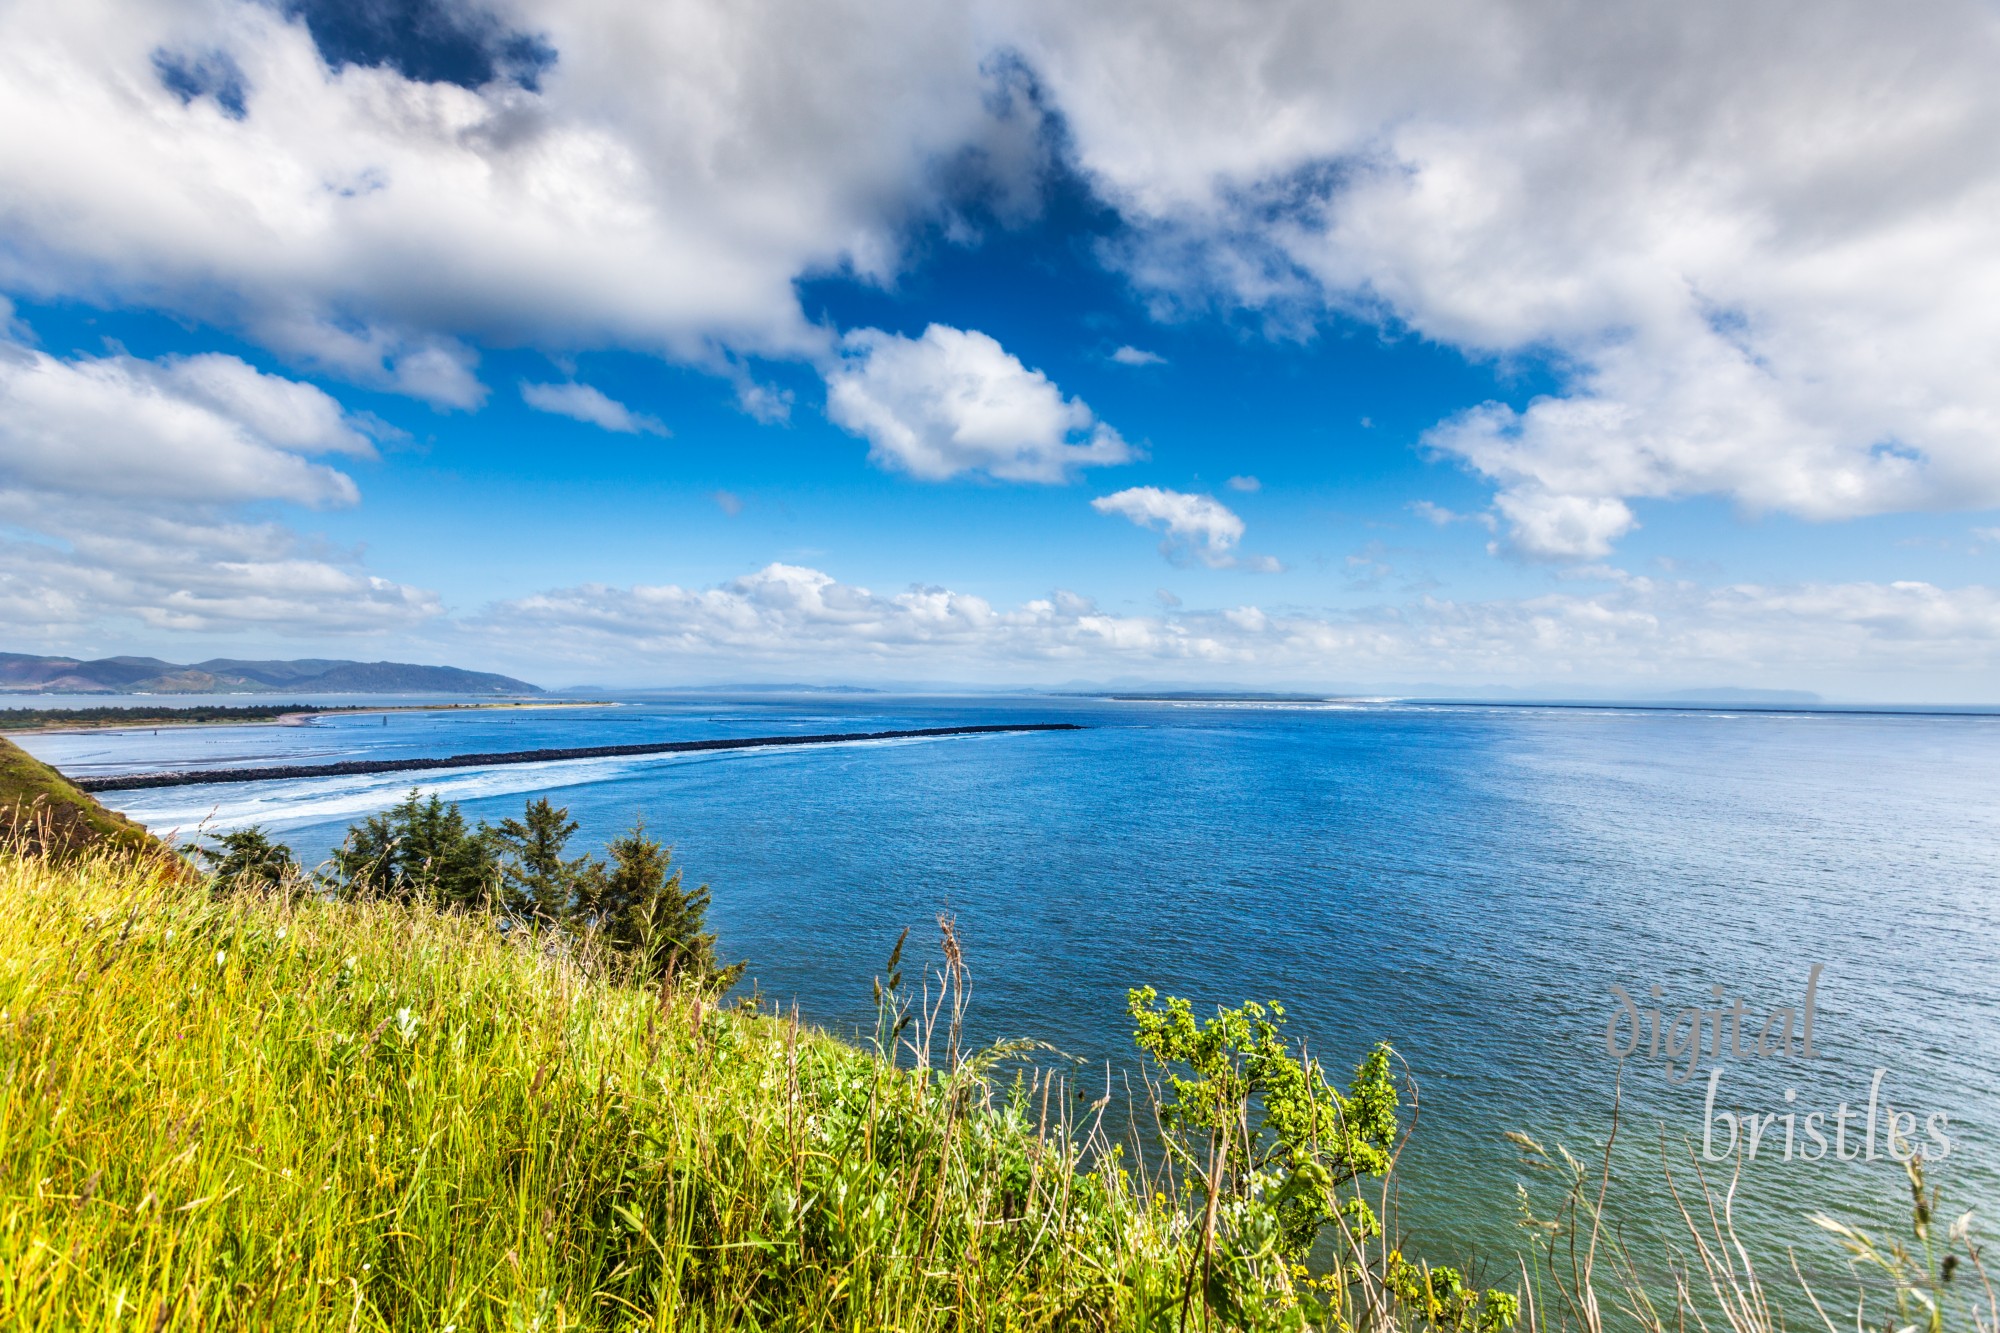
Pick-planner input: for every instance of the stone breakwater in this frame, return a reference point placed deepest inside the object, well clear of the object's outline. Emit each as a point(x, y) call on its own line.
point(194, 777)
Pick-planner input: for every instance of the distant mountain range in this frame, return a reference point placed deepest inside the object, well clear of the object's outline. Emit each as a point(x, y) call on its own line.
point(23, 674)
point(1727, 695)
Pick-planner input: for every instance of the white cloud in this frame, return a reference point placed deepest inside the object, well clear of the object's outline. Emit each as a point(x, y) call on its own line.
point(204, 428)
point(729, 502)
point(1562, 527)
point(1757, 243)
point(1762, 262)
point(1439, 516)
point(676, 170)
point(1197, 526)
point(91, 567)
point(1635, 630)
point(1133, 356)
point(1248, 485)
point(763, 402)
point(582, 402)
point(955, 401)
point(118, 479)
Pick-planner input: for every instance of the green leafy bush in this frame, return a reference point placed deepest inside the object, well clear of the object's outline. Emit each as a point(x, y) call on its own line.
point(1268, 1145)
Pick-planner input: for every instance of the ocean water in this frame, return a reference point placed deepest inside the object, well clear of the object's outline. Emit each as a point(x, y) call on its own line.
point(1467, 882)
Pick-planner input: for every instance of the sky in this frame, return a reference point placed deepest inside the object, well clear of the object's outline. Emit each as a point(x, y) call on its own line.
point(1548, 347)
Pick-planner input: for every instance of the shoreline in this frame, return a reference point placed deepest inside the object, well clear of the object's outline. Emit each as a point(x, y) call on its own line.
point(364, 767)
point(297, 715)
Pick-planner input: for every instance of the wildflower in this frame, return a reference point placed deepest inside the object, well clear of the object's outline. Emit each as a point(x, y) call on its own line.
point(221, 957)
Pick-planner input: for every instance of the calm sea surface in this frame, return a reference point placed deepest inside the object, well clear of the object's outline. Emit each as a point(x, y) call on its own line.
point(1468, 882)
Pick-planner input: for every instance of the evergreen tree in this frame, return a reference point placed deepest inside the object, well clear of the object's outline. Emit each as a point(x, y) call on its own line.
point(642, 909)
point(536, 880)
point(420, 851)
point(364, 865)
point(423, 850)
point(248, 859)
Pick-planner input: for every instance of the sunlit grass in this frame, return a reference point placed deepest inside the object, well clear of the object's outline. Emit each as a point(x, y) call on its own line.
point(305, 1113)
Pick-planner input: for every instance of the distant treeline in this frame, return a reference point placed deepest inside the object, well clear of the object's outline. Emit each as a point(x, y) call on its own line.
point(29, 719)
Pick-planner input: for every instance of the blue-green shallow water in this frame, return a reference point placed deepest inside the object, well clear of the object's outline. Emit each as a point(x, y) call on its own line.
point(1467, 882)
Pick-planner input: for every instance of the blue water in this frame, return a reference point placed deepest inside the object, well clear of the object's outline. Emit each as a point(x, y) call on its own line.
point(1465, 881)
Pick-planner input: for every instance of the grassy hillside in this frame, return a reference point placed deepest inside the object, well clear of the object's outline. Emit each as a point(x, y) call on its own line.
point(251, 1113)
point(40, 806)
point(299, 1113)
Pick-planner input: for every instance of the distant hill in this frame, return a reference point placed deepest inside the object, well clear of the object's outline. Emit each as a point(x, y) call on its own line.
point(24, 674)
point(1730, 695)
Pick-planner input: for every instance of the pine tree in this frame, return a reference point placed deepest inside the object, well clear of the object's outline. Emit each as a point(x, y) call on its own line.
point(536, 880)
point(248, 859)
point(423, 851)
point(640, 906)
point(420, 851)
point(364, 865)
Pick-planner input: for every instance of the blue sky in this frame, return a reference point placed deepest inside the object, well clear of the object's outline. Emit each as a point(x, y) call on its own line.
point(1269, 345)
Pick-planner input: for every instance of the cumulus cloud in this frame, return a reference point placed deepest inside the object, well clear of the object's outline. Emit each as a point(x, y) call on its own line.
point(121, 476)
point(1762, 263)
point(1439, 516)
point(1635, 629)
point(193, 428)
point(581, 402)
point(658, 184)
point(763, 402)
point(1198, 527)
point(1134, 356)
point(955, 401)
point(1562, 527)
point(93, 565)
point(1247, 485)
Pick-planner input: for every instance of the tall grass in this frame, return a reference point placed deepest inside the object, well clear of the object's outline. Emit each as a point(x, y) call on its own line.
point(1581, 1274)
point(302, 1113)
point(288, 1112)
